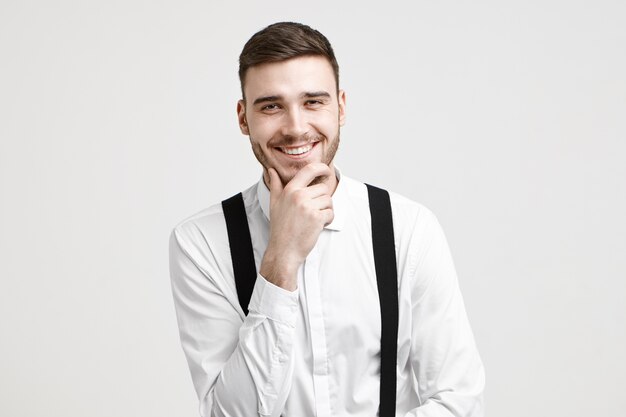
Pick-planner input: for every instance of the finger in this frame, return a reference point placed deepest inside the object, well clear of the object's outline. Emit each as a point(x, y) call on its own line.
point(307, 174)
point(317, 190)
point(322, 203)
point(276, 185)
point(328, 216)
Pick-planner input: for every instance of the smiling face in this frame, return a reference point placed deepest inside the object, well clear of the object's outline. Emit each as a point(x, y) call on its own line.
point(292, 113)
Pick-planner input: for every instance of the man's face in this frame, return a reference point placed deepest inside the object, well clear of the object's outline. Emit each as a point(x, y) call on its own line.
point(292, 114)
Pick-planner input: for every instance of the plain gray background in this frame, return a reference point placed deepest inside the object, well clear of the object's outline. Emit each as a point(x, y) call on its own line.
point(117, 120)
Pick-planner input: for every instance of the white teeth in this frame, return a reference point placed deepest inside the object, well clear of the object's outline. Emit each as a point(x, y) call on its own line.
point(297, 151)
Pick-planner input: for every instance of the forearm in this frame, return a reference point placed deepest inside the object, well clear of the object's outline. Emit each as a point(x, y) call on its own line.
point(256, 378)
point(237, 362)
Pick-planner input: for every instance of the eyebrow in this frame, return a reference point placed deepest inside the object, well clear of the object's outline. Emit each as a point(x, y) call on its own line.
point(316, 94)
point(266, 99)
point(311, 94)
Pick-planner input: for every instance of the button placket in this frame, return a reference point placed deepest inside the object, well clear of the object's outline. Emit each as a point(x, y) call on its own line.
point(318, 333)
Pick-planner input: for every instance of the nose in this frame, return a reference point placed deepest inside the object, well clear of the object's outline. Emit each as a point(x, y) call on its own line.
point(294, 123)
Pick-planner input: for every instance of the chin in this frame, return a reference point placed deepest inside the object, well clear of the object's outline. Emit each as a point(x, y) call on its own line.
point(286, 174)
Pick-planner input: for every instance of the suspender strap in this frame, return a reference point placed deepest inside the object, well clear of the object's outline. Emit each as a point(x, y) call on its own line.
point(244, 269)
point(241, 251)
point(387, 280)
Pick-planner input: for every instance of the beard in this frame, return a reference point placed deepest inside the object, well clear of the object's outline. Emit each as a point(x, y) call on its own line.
point(327, 156)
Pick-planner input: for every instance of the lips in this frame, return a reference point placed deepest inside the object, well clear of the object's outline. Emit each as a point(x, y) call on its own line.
point(297, 151)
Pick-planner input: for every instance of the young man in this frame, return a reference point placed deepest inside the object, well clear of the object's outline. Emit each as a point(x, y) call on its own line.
point(323, 306)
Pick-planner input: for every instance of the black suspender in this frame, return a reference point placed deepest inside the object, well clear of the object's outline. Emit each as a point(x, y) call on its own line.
point(387, 280)
point(244, 268)
point(241, 251)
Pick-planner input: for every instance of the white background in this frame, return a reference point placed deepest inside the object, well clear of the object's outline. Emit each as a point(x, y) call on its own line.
point(117, 120)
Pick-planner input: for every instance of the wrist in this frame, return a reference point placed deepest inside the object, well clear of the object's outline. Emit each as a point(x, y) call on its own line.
point(280, 270)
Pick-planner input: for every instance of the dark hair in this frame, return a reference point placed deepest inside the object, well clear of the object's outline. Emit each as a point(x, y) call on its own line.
point(283, 41)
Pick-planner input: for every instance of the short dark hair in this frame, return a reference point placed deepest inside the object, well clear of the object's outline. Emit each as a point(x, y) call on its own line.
point(282, 41)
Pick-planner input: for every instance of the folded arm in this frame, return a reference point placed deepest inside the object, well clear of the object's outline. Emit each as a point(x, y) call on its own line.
point(239, 365)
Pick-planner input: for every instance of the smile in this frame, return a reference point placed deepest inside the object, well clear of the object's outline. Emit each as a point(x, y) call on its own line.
point(297, 151)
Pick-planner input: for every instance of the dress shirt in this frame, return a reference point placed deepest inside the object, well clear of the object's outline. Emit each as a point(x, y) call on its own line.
point(316, 351)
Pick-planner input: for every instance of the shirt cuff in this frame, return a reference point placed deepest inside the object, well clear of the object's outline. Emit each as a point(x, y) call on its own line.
point(274, 302)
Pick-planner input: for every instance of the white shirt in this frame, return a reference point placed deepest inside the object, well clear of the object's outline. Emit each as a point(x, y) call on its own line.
point(316, 351)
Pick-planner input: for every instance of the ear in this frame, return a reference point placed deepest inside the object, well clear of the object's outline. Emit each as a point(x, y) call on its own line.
point(241, 115)
point(341, 98)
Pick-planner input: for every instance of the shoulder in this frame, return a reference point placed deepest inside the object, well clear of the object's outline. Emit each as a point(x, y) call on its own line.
point(208, 225)
point(405, 212)
point(418, 236)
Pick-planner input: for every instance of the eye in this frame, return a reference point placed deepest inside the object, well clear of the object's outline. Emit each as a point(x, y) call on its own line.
point(313, 103)
point(270, 107)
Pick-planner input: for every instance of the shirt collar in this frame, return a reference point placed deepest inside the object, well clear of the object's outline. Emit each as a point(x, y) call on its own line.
point(338, 197)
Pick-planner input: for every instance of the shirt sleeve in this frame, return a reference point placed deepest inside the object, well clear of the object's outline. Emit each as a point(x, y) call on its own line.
point(239, 367)
point(444, 357)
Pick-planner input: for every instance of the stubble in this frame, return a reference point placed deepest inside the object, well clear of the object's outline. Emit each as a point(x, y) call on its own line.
point(327, 158)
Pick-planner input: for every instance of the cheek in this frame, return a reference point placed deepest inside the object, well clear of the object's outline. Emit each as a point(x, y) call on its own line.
point(330, 127)
point(262, 130)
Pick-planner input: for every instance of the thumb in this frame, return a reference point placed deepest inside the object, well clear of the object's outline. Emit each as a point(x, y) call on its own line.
point(276, 185)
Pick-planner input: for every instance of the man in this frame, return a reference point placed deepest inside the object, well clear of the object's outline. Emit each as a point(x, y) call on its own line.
point(310, 344)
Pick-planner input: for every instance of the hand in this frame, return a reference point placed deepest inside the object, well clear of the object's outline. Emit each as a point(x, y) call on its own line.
point(298, 213)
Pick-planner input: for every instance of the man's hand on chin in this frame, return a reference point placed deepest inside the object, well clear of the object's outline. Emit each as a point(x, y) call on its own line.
point(299, 211)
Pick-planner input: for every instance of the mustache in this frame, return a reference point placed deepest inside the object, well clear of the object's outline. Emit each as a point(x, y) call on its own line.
point(292, 140)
